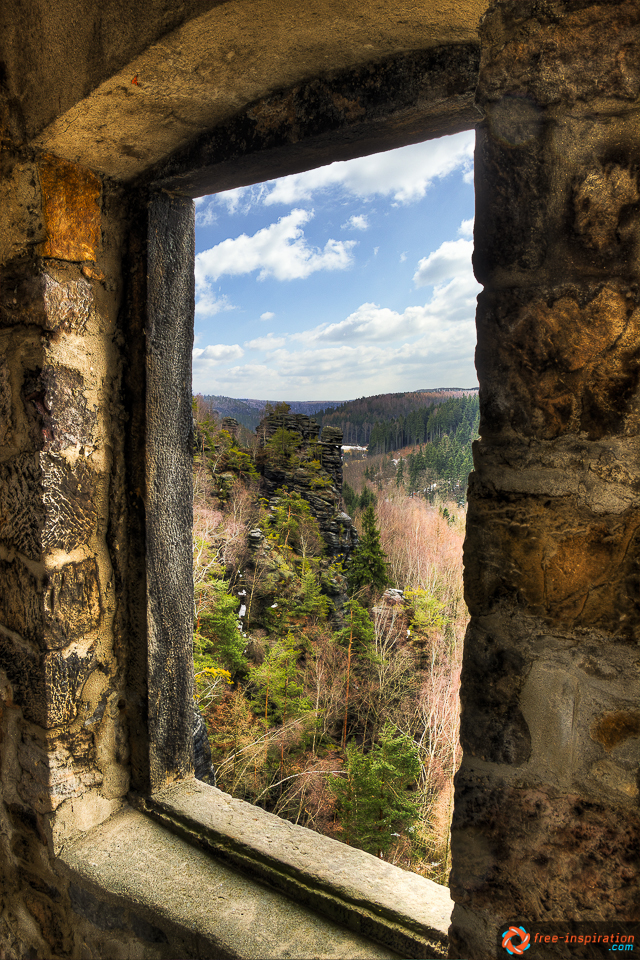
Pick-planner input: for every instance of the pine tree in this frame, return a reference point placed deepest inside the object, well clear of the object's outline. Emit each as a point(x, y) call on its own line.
point(374, 801)
point(368, 567)
point(218, 640)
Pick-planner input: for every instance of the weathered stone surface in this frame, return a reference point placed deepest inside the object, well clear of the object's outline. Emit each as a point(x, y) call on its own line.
point(55, 772)
point(615, 727)
point(398, 908)
point(564, 51)
point(169, 494)
point(564, 362)
point(71, 202)
point(57, 408)
point(68, 304)
point(46, 685)
point(70, 502)
point(560, 848)
point(492, 725)
point(602, 476)
point(72, 604)
point(21, 221)
point(6, 402)
point(103, 915)
point(21, 601)
point(132, 859)
point(33, 293)
point(552, 555)
point(22, 508)
point(600, 200)
point(509, 152)
point(51, 921)
point(554, 560)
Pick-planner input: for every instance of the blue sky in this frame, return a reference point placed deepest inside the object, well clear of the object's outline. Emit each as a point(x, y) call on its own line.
point(345, 281)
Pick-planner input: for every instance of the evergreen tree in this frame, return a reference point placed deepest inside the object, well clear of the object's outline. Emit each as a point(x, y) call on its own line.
point(367, 498)
point(373, 798)
point(368, 567)
point(218, 639)
point(278, 693)
point(400, 474)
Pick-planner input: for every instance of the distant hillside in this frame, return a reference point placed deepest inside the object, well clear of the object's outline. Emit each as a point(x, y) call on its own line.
point(358, 418)
point(249, 412)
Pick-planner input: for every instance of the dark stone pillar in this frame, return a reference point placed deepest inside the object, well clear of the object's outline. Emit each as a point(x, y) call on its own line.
point(169, 486)
point(546, 822)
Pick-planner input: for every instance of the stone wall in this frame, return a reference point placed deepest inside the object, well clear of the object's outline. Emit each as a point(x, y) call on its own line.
point(95, 280)
point(63, 705)
point(546, 819)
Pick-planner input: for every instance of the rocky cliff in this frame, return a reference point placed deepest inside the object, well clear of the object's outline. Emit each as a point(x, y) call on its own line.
point(293, 456)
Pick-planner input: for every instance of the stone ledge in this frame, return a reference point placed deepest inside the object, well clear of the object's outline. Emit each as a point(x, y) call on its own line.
point(130, 866)
point(401, 910)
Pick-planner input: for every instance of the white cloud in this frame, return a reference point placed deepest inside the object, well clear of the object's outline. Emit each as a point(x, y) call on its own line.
point(451, 304)
point(403, 257)
point(404, 174)
point(267, 315)
point(266, 343)
point(206, 216)
point(219, 352)
point(357, 222)
point(466, 228)
point(451, 259)
point(208, 303)
point(279, 250)
point(441, 357)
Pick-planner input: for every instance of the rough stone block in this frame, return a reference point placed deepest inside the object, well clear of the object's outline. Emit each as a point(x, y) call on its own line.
point(53, 926)
point(47, 686)
point(563, 564)
point(45, 296)
point(71, 201)
point(68, 304)
point(601, 201)
point(561, 52)
point(21, 221)
point(56, 772)
point(492, 725)
point(72, 605)
point(6, 403)
point(57, 408)
point(512, 191)
point(21, 601)
point(69, 497)
point(559, 362)
point(571, 856)
point(22, 508)
point(51, 610)
point(45, 504)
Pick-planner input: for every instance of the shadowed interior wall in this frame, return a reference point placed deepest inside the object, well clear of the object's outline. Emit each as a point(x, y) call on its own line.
point(546, 808)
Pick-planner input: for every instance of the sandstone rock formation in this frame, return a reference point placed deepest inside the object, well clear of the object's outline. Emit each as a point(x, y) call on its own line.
point(312, 467)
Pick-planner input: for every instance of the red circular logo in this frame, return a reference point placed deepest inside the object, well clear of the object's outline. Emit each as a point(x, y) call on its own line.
point(517, 948)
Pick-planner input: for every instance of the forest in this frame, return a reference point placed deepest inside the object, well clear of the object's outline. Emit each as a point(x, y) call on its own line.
point(356, 418)
point(328, 675)
point(389, 421)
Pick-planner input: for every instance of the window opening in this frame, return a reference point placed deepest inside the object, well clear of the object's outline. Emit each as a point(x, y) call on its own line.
point(328, 609)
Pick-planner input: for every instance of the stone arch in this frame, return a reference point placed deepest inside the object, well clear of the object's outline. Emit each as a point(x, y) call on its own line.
point(103, 145)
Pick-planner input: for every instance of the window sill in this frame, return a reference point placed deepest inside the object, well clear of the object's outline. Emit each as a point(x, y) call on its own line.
point(219, 877)
point(402, 910)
